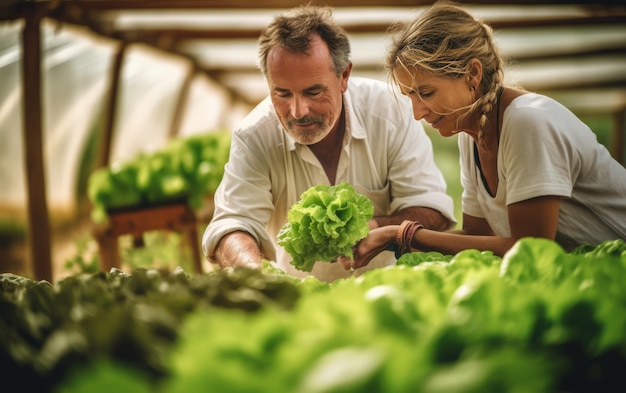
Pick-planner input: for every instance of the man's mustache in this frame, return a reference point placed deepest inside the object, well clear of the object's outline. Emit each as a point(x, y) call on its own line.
point(305, 121)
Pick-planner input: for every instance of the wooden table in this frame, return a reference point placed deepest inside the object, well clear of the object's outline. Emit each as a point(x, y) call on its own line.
point(178, 217)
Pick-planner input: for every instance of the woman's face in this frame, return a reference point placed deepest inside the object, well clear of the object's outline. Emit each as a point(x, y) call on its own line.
point(437, 100)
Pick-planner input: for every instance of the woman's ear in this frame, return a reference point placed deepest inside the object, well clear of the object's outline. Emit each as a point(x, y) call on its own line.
point(475, 73)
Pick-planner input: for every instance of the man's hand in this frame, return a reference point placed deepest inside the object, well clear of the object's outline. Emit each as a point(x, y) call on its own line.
point(238, 249)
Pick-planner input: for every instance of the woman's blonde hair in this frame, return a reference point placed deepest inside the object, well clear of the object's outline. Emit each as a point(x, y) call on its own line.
point(442, 41)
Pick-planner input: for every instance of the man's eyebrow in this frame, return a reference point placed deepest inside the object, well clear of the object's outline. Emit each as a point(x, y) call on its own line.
point(317, 86)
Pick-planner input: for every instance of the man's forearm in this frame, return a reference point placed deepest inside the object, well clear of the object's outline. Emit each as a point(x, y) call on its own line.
point(238, 249)
point(430, 218)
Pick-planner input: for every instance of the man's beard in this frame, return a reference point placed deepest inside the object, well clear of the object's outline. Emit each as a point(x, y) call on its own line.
point(308, 137)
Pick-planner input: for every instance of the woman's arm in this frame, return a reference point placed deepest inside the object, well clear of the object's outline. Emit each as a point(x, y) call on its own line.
point(536, 217)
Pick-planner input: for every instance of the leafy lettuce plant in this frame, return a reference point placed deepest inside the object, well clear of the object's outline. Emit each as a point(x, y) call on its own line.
point(324, 224)
point(186, 168)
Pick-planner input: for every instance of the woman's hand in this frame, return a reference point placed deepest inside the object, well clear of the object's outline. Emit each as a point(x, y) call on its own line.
point(373, 244)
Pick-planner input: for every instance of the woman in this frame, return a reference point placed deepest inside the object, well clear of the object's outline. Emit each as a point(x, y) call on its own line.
point(529, 167)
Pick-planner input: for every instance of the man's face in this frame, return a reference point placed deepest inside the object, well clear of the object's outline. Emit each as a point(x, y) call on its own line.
point(305, 92)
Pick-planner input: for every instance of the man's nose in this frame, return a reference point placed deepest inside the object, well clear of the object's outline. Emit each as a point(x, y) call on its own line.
point(299, 107)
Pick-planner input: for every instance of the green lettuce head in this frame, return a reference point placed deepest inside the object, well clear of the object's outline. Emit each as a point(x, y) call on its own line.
point(324, 224)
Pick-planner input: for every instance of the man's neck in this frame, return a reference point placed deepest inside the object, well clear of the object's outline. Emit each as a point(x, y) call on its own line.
point(328, 150)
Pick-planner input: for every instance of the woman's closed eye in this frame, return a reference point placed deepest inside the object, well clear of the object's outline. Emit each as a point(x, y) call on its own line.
point(426, 94)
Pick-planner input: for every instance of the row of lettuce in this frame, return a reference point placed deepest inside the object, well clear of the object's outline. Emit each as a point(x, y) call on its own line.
point(537, 320)
point(186, 169)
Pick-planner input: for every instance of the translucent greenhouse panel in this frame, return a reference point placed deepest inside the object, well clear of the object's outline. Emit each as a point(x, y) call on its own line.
point(150, 88)
point(12, 191)
point(206, 107)
point(76, 75)
point(74, 68)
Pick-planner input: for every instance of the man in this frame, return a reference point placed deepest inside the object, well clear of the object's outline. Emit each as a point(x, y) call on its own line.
point(319, 126)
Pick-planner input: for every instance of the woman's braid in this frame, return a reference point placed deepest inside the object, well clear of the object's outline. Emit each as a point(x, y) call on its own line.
point(492, 80)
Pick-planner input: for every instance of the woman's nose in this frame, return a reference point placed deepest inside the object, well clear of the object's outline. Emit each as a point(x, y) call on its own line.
point(419, 109)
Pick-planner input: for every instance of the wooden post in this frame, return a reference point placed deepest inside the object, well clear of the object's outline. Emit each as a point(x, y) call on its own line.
point(109, 122)
point(38, 219)
point(181, 103)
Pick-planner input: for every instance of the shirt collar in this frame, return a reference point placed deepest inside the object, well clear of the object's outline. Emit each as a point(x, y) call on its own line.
point(354, 128)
